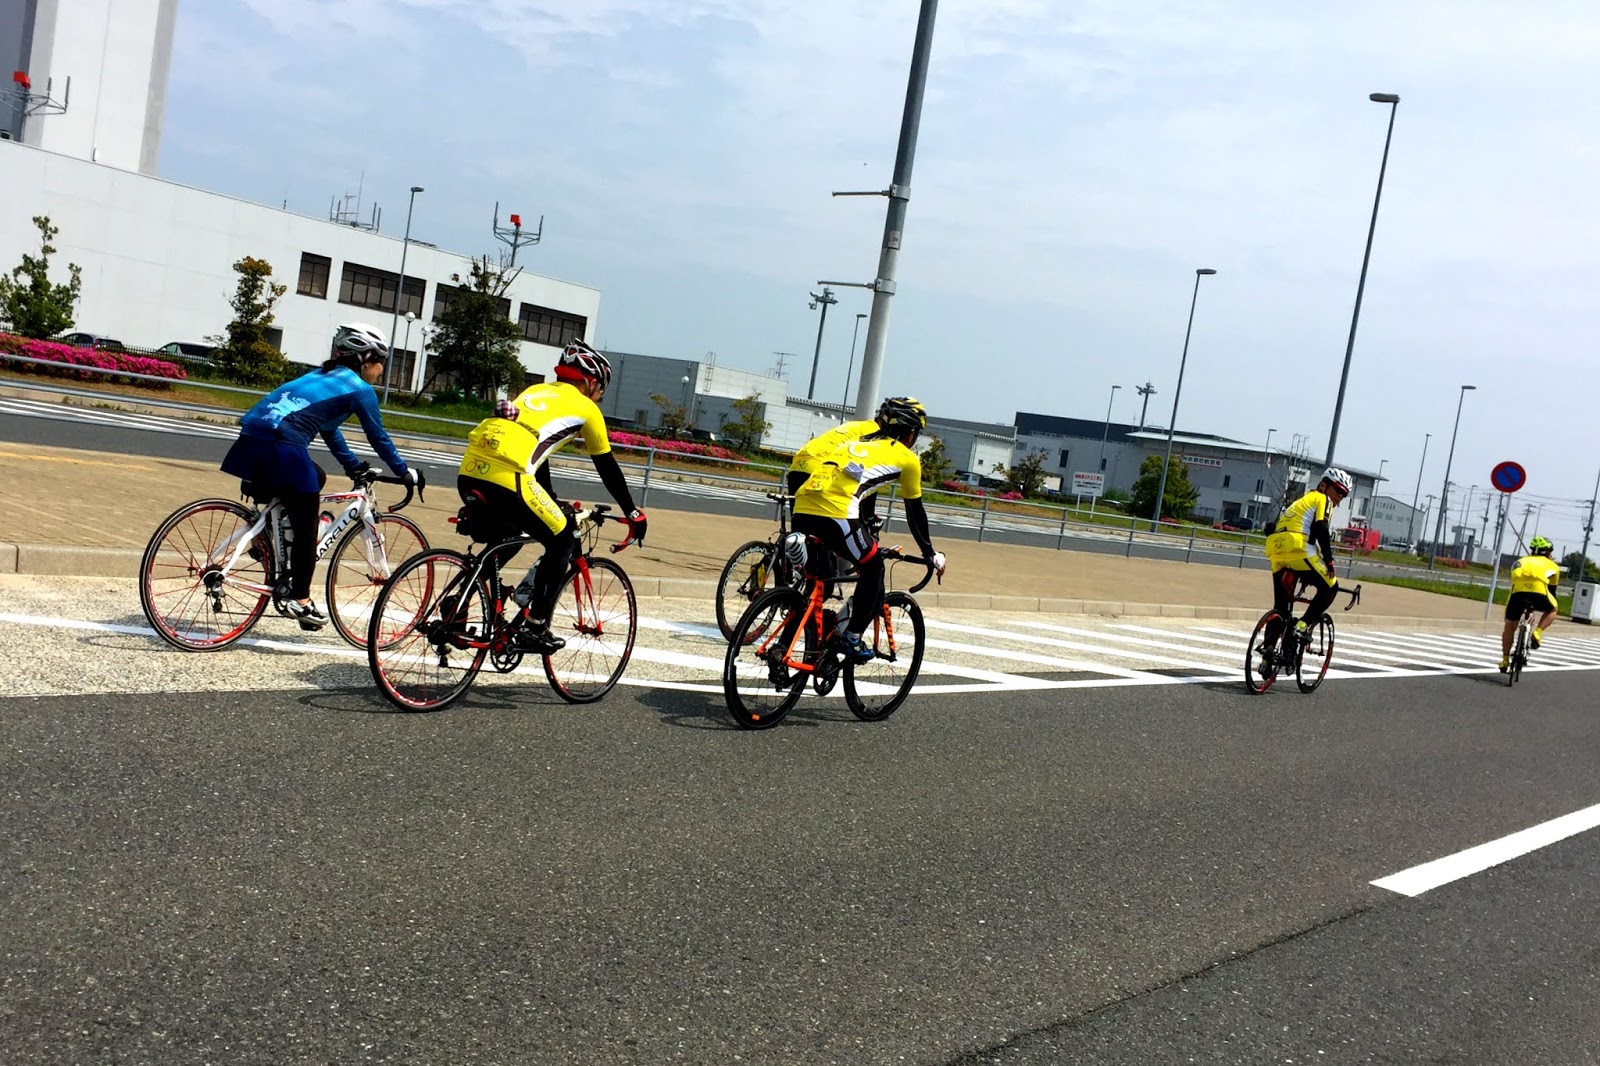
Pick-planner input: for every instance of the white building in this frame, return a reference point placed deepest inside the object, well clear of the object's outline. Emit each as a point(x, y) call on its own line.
point(158, 257)
point(116, 54)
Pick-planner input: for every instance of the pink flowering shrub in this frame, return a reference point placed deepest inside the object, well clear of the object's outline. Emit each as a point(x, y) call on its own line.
point(1012, 494)
point(88, 358)
point(683, 447)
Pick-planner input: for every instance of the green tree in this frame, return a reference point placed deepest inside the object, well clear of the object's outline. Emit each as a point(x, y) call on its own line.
point(1580, 567)
point(1180, 496)
point(674, 415)
point(936, 465)
point(745, 431)
point(29, 304)
point(476, 345)
point(1026, 475)
point(244, 353)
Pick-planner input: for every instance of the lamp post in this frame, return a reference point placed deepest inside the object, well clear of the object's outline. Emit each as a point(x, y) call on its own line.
point(1444, 493)
point(400, 291)
point(1106, 433)
point(844, 405)
point(1416, 495)
point(688, 421)
point(1161, 492)
point(826, 300)
point(422, 356)
point(1355, 315)
point(411, 316)
point(1266, 468)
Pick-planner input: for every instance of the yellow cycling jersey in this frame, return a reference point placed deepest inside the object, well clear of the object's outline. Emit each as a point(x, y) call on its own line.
point(1291, 537)
point(549, 417)
point(818, 448)
point(852, 472)
point(1535, 573)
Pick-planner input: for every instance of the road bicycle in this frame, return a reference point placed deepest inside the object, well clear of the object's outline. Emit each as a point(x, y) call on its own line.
point(759, 566)
point(444, 613)
point(1306, 657)
point(1521, 646)
point(212, 566)
point(787, 637)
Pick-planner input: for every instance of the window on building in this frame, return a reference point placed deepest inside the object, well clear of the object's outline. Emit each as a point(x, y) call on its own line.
point(1227, 480)
point(314, 270)
point(274, 337)
point(1064, 454)
point(1261, 484)
point(443, 294)
point(402, 364)
point(1103, 461)
point(363, 286)
point(544, 326)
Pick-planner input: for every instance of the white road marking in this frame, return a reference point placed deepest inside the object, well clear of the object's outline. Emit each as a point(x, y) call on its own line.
point(1430, 875)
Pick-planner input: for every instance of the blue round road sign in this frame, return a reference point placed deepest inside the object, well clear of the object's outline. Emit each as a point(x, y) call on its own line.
point(1508, 476)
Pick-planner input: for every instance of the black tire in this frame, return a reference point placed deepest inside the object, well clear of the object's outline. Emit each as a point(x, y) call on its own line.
point(1519, 655)
point(756, 682)
point(186, 597)
point(357, 571)
point(598, 617)
point(1261, 664)
point(420, 622)
point(1311, 664)
point(750, 571)
point(874, 690)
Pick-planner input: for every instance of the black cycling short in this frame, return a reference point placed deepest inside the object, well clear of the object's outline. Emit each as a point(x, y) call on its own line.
point(1537, 602)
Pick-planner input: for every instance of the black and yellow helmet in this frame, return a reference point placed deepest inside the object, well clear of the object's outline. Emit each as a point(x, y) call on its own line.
point(902, 414)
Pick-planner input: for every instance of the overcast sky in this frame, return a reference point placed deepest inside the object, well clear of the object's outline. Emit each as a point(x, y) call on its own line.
point(1077, 162)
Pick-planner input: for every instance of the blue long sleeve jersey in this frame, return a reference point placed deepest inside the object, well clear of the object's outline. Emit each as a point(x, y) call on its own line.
point(317, 403)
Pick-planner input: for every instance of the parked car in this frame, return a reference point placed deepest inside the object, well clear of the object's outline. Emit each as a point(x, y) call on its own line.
point(1236, 525)
point(199, 353)
point(90, 340)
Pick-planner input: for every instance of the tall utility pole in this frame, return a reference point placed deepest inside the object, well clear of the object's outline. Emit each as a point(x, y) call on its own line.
point(894, 223)
point(399, 293)
point(826, 300)
point(1444, 493)
point(1588, 528)
point(1146, 390)
point(1417, 495)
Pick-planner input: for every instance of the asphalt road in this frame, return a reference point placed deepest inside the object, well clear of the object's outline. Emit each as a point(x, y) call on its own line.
point(1111, 876)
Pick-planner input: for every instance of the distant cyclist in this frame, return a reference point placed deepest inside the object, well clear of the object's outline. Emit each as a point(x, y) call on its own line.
point(1301, 546)
point(273, 450)
point(1533, 588)
point(829, 504)
point(506, 471)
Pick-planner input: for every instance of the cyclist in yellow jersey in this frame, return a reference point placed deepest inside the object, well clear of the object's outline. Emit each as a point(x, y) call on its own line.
point(505, 474)
point(829, 504)
point(816, 450)
point(1300, 546)
point(1533, 587)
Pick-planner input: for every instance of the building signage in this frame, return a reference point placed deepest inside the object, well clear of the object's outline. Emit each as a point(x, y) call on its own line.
point(1088, 484)
point(1200, 460)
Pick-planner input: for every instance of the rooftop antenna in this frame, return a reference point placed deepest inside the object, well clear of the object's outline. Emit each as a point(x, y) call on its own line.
point(1146, 390)
point(778, 370)
point(21, 99)
point(346, 210)
point(513, 236)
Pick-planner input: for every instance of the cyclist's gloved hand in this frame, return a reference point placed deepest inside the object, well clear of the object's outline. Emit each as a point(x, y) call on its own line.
point(938, 561)
point(637, 524)
point(358, 472)
point(416, 477)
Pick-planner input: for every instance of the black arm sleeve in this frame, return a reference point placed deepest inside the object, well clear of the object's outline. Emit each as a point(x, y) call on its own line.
point(542, 476)
point(611, 477)
point(917, 521)
point(1319, 537)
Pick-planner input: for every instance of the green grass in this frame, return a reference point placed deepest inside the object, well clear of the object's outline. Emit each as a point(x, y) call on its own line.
point(1460, 591)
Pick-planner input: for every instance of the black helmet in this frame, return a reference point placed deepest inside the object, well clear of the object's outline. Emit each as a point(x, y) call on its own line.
point(902, 414)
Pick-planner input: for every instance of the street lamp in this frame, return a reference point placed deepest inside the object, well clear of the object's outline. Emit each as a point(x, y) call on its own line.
point(427, 333)
point(844, 404)
point(1106, 433)
point(399, 292)
point(411, 316)
point(825, 300)
point(1161, 492)
point(1266, 469)
point(1355, 316)
point(1416, 495)
point(1444, 493)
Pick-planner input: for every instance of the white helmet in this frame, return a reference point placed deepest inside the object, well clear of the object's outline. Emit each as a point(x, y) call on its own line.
point(362, 341)
point(1338, 477)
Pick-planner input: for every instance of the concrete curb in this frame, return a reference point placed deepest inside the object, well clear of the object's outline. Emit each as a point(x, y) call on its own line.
point(47, 560)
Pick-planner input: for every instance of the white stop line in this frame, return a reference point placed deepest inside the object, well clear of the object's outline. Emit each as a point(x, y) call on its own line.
point(1419, 879)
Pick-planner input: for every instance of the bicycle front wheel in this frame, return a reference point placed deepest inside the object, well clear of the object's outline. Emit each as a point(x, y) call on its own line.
point(1519, 655)
point(760, 679)
point(360, 564)
point(1312, 665)
point(750, 571)
point(596, 614)
point(875, 689)
point(429, 632)
point(1261, 657)
point(191, 600)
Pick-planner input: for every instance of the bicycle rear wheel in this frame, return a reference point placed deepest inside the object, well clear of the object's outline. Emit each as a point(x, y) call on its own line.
point(360, 565)
point(1519, 654)
point(1311, 665)
point(186, 596)
point(750, 571)
point(429, 632)
point(874, 690)
point(757, 681)
point(1260, 658)
point(596, 614)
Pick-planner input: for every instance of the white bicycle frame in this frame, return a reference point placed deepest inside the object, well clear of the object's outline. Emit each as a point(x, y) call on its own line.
point(358, 505)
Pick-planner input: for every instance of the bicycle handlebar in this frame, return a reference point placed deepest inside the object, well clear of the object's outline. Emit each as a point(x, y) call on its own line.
point(369, 477)
point(896, 555)
point(1354, 594)
point(597, 515)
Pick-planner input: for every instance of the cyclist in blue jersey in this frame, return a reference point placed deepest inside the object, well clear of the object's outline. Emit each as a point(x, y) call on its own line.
point(273, 449)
